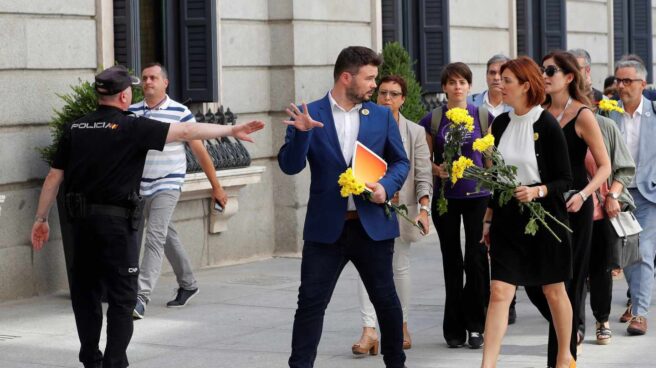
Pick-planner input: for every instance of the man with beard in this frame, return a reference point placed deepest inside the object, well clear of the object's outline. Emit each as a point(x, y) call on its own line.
point(338, 230)
point(491, 99)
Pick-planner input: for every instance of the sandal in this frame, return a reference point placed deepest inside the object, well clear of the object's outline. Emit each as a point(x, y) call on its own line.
point(604, 334)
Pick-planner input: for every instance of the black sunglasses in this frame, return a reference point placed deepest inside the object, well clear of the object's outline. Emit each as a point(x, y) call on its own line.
point(550, 70)
point(626, 81)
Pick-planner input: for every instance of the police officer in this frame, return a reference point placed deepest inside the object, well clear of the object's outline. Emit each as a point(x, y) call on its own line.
point(102, 157)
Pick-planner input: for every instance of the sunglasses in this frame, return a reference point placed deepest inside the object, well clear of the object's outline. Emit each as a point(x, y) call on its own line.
point(392, 94)
point(550, 70)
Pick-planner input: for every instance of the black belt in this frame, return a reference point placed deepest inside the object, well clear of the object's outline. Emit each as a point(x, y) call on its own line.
point(107, 210)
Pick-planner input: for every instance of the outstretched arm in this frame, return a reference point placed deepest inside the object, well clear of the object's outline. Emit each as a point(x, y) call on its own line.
point(189, 131)
point(41, 229)
point(293, 154)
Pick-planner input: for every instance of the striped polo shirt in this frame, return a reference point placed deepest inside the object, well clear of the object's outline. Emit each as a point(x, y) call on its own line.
point(164, 170)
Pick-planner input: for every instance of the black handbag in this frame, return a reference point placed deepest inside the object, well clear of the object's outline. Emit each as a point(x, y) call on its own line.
point(624, 237)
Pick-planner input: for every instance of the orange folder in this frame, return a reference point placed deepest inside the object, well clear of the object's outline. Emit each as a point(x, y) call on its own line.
point(368, 167)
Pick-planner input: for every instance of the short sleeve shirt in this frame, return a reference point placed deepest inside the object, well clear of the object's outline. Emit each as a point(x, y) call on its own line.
point(103, 154)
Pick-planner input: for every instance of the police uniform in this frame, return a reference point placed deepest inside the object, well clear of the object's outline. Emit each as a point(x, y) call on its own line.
point(102, 156)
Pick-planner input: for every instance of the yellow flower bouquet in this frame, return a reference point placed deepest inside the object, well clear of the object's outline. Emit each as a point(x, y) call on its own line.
point(606, 106)
point(350, 185)
point(501, 179)
point(462, 124)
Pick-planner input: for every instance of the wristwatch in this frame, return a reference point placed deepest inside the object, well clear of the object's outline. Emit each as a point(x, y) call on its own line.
point(40, 219)
point(613, 195)
point(540, 192)
point(425, 208)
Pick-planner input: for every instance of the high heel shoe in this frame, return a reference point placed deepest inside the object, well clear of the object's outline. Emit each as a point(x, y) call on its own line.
point(370, 346)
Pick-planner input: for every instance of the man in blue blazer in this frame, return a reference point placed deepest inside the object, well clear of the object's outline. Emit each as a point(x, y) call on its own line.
point(638, 126)
point(337, 229)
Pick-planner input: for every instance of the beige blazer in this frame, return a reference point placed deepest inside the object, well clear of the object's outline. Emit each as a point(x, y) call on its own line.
point(419, 182)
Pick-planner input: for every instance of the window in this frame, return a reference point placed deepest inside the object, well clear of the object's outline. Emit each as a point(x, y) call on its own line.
point(422, 27)
point(541, 27)
point(632, 28)
point(180, 34)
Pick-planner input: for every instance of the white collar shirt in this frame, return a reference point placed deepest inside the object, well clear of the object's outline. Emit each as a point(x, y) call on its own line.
point(347, 125)
point(632, 134)
point(494, 110)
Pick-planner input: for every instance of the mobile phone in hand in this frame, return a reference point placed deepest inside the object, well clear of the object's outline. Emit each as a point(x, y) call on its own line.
point(217, 206)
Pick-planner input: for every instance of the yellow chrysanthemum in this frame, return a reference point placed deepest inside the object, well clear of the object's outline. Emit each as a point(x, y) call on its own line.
point(483, 144)
point(459, 167)
point(610, 105)
point(350, 185)
point(461, 116)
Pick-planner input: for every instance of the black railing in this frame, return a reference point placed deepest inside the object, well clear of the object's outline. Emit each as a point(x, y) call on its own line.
point(226, 153)
point(433, 100)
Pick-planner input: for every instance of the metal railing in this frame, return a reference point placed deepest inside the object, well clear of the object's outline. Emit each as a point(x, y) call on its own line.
point(226, 153)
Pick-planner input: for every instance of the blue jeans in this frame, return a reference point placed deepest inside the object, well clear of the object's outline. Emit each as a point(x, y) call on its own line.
point(640, 276)
point(320, 268)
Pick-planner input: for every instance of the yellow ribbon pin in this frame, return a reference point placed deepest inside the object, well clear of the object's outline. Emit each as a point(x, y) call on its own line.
point(536, 136)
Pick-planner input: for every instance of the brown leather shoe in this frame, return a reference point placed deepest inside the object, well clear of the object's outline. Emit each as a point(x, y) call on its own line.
point(627, 315)
point(638, 326)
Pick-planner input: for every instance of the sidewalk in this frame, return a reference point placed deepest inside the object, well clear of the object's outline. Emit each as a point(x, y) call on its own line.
point(243, 317)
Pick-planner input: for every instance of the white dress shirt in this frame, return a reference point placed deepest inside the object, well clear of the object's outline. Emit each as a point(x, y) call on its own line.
point(631, 134)
point(347, 125)
point(494, 110)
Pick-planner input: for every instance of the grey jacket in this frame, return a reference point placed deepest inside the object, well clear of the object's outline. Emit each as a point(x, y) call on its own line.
point(420, 178)
point(622, 165)
point(645, 176)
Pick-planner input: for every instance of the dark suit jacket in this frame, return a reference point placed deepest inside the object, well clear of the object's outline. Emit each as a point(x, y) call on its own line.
point(320, 148)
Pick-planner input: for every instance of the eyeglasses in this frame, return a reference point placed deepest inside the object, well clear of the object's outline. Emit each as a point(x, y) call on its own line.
point(390, 94)
point(626, 81)
point(550, 70)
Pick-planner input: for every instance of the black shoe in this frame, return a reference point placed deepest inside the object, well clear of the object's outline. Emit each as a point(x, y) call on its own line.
point(183, 297)
point(475, 340)
point(512, 316)
point(455, 343)
point(139, 310)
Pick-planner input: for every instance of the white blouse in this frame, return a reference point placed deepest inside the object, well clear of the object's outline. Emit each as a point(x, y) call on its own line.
point(517, 145)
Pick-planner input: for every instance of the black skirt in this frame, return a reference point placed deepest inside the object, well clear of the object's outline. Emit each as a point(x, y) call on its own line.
point(523, 259)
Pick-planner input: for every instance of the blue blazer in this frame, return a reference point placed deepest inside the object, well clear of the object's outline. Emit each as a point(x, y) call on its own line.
point(645, 176)
point(326, 209)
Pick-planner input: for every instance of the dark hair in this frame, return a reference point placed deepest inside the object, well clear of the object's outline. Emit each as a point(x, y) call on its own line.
point(569, 65)
point(609, 81)
point(352, 58)
point(456, 69)
point(165, 73)
point(527, 71)
point(398, 80)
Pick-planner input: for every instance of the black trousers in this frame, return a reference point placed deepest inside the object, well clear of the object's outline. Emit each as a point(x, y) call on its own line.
point(466, 302)
point(581, 223)
point(600, 278)
point(320, 269)
point(106, 254)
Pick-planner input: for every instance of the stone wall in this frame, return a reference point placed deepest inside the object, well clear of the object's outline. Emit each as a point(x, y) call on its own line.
point(46, 46)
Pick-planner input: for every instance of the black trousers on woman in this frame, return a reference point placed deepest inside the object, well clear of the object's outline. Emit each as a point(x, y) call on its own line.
point(600, 278)
point(465, 306)
point(581, 223)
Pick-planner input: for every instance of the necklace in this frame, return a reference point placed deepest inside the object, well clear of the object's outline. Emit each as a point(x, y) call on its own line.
point(560, 116)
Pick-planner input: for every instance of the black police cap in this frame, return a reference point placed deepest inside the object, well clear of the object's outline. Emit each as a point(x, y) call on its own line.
point(114, 80)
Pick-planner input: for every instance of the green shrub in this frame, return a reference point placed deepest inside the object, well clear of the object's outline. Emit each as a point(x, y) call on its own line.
point(77, 103)
point(396, 61)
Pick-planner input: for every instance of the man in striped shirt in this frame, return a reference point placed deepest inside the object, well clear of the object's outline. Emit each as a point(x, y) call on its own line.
point(161, 182)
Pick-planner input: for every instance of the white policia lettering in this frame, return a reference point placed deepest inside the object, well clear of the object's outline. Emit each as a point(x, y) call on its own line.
point(95, 125)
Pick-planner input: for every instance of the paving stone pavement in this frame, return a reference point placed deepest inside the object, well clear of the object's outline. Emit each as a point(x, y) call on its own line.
point(243, 316)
